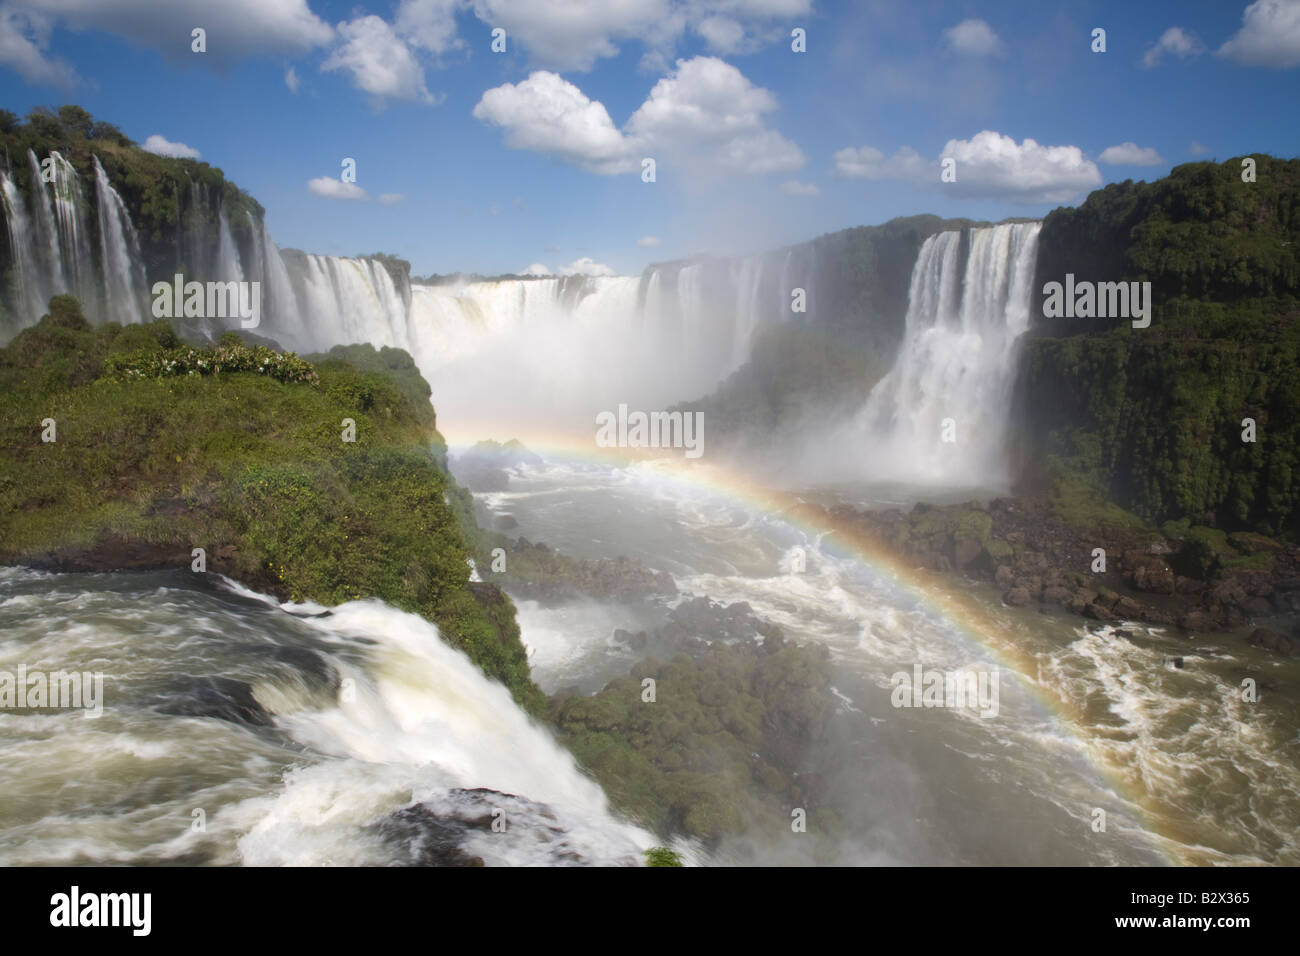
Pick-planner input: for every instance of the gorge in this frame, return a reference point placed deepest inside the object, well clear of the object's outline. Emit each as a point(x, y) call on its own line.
point(336, 566)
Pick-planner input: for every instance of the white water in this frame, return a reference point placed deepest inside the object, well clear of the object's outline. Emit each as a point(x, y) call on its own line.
point(574, 345)
point(413, 721)
point(119, 253)
point(954, 372)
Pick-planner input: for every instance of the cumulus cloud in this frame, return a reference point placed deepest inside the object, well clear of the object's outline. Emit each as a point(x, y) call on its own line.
point(1269, 35)
point(291, 79)
point(390, 199)
point(164, 147)
point(648, 242)
point(328, 187)
point(974, 38)
point(586, 266)
point(24, 38)
point(1198, 150)
point(1175, 41)
point(547, 114)
point(235, 28)
point(536, 269)
point(988, 166)
point(379, 60)
point(705, 116)
point(795, 188)
point(708, 114)
point(1130, 154)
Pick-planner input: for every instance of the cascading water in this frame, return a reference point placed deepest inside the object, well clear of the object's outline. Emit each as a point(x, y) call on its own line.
point(939, 416)
point(123, 272)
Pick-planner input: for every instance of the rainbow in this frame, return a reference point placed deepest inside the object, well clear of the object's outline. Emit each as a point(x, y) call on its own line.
point(961, 613)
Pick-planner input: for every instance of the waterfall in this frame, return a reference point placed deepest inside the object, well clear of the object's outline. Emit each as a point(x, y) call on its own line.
point(28, 278)
point(939, 416)
point(74, 237)
point(123, 271)
point(47, 235)
point(573, 344)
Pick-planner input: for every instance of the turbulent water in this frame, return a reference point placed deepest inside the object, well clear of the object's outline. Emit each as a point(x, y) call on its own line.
point(1091, 717)
point(236, 730)
point(372, 713)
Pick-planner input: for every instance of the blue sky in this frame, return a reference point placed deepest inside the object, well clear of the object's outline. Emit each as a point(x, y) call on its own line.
point(492, 162)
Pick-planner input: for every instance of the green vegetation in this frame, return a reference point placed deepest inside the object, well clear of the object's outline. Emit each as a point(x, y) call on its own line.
point(250, 466)
point(1152, 418)
point(661, 856)
point(174, 203)
point(721, 747)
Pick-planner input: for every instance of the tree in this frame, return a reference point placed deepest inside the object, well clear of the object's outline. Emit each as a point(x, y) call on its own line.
point(76, 120)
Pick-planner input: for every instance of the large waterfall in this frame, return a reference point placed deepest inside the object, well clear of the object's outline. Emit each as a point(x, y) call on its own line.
point(559, 348)
point(552, 352)
point(939, 416)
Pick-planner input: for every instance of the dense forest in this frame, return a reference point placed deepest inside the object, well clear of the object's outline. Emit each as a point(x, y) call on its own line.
point(1154, 418)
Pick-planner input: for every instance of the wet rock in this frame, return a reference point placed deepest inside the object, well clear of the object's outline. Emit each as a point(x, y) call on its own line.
point(1003, 576)
point(1016, 597)
point(1196, 620)
point(1273, 641)
point(1057, 594)
point(220, 697)
point(964, 552)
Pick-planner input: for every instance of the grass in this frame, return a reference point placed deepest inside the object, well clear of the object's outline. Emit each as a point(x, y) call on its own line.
point(249, 466)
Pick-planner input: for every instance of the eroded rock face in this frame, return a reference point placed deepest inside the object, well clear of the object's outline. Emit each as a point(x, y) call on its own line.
point(436, 832)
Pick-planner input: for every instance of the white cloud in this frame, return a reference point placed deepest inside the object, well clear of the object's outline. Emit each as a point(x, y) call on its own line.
point(587, 267)
point(707, 115)
point(1198, 150)
point(988, 166)
point(390, 199)
point(547, 114)
point(23, 41)
point(1269, 35)
point(1130, 154)
point(796, 188)
point(380, 61)
point(1176, 41)
point(974, 38)
point(648, 242)
point(163, 147)
point(722, 34)
point(536, 269)
point(867, 162)
point(494, 210)
point(291, 80)
point(575, 34)
point(429, 24)
point(235, 28)
point(328, 187)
